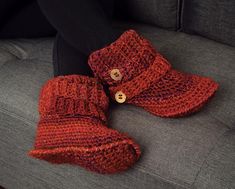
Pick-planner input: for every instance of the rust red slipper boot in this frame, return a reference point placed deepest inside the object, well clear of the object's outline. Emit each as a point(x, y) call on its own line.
point(137, 74)
point(72, 127)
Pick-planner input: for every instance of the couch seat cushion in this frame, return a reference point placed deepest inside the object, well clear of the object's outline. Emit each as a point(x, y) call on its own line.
point(161, 13)
point(214, 19)
point(176, 152)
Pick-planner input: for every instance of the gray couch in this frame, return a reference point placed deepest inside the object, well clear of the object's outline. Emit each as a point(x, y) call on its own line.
point(194, 152)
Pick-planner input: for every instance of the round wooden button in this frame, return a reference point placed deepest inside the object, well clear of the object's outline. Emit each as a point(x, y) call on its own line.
point(120, 97)
point(115, 74)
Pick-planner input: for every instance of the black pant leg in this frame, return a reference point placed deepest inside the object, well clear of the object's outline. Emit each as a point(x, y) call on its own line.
point(26, 20)
point(67, 60)
point(71, 58)
point(83, 24)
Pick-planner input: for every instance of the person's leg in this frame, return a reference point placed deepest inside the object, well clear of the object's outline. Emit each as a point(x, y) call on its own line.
point(23, 20)
point(71, 58)
point(83, 24)
point(67, 60)
point(80, 100)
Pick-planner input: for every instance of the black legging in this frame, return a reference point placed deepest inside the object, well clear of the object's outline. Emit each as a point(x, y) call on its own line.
point(82, 27)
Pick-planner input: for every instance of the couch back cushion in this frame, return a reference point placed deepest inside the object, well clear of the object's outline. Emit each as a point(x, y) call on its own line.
point(214, 19)
point(162, 13)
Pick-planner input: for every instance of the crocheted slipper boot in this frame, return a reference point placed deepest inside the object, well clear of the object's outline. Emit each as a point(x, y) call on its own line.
point(137, 74)
point(72, 127)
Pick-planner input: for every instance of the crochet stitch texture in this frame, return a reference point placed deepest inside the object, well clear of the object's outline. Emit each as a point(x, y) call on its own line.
point(145, 78)
point(72, 127)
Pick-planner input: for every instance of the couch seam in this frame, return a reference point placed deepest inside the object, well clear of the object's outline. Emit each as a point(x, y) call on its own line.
point(205, 160)
point(178, 15)
point(22, 53)
point(224, 124)
point(162, 178)
point(16, 116)
point(7, 51)
point(181, 16)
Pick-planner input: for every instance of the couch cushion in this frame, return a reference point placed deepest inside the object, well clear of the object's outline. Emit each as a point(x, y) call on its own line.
point(214, 19)
point(198, 55)
point(220, 162)
point(174, 150)
point(24, 66)
point(162, 13)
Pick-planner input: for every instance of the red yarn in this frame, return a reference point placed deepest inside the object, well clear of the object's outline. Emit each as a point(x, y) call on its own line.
point(72, 127)
point(147, 78)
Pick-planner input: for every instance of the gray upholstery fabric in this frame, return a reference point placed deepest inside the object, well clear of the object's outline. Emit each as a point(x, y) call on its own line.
point(162, 13)
point(198, 55)
point(214, 19)
point(179, 153)
point(220, 161)
point(23, 64)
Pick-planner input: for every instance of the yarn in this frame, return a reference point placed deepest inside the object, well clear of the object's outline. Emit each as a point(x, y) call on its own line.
point(147, 78)
point(72, 127)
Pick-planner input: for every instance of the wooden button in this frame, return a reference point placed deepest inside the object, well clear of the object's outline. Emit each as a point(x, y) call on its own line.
point(120, 97)
point(116, 74)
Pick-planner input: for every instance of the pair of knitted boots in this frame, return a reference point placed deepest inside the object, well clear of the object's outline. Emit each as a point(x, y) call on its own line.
point(73, 124)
